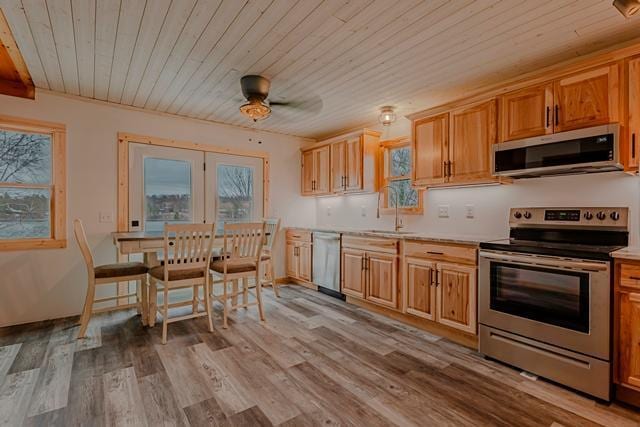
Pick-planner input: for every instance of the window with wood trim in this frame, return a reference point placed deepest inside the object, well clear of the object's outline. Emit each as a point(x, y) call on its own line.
point(32, 184)
point(395, 156)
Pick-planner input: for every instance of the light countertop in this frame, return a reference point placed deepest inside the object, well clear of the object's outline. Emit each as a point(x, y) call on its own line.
point(631, 252)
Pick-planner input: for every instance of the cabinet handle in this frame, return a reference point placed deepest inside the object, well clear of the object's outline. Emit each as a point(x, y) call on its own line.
point(633, 145)
point(431, 278)
point(362, 262)
point(449, 163)
point(548, 113)
point(444, 169)
point(435, 253)
point(346, 182)
point(437, 278)
point(634, 277)
point(557, 114)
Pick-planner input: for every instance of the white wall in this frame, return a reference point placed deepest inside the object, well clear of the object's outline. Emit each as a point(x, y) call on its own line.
point(44, 284)
point(491, 203)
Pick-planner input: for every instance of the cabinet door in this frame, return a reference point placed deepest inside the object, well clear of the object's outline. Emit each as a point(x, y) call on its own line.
point(473, 132)
point(304, 261)
point(291, 260)
point(338, 166)
point(629, 339)
point(307, 172)
point(354, 164)
point(527, 112)
point(353, 278)
point(430, 149)
point(587, 99)
point(634, 114)
point(456, 296)
point(421, 289)
point(382, 279)
point(322, 170)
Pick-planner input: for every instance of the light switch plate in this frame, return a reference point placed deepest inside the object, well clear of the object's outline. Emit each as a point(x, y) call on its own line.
point(443, 211)
point(328, 210)
point(470, 211)
point(105, 217)
point(363, 210)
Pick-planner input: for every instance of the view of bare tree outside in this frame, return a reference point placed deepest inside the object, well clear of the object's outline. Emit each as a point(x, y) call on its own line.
point(25, 159)
point(235, 194)
point(400, 166)
point(167, 190)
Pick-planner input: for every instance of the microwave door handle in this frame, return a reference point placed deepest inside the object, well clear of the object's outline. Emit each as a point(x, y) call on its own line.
point(556, 263)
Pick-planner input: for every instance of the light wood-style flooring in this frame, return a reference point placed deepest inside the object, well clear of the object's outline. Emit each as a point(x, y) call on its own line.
point(315, 361)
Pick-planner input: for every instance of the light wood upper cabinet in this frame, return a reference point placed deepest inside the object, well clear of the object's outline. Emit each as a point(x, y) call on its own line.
point(338, 166)
point(382, 279)
point(316, 171)
point(473, 131)
point(526, 112)
point(456, 296)
point(421, 289)
point(430, 149)
point(353, 171)
point(353, 273)
point(633, 106)
point(587, 99)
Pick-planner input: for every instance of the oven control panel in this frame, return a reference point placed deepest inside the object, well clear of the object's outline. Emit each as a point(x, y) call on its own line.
point(581, 217)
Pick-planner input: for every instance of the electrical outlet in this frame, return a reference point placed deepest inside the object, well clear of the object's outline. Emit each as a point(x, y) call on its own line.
point(470, 211)
point(328, 210)
point(443, 211)
point(105, 217)
point(363, 210)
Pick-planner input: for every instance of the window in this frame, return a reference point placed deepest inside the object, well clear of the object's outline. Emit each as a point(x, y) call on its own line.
point(32, 185)
point(235, 194)
point(396, 173)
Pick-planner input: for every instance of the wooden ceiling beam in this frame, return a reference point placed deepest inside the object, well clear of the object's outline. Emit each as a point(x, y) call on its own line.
point(15, 79)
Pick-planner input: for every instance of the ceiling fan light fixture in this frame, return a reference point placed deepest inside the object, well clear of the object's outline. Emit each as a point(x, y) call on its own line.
point(387, 115)
point(255, 110)
point(627, 7)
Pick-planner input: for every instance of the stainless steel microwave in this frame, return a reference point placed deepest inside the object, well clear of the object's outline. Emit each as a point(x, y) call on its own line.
point(595, 149)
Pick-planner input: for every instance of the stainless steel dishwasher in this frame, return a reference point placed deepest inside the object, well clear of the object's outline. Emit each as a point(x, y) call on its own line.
point(326, 262)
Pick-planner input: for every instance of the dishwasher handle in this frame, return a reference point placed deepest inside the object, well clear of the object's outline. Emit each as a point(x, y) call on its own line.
point(325, 236)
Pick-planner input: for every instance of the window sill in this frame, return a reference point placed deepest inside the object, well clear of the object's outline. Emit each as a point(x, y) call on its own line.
point(25, 244)
point(403, 211)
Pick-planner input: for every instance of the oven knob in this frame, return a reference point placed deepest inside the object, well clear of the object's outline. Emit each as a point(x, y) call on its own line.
point(588, 216)
point(517, 215)
point(601, 216)
point(527, 215)
point(615, 216)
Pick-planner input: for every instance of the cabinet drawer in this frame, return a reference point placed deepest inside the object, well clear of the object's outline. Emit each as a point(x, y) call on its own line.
point(630, 276)
point(299, 235)
point(441, 252)
point(389, 246)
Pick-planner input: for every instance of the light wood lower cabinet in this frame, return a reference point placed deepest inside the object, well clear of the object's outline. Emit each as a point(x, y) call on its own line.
point(441, 284)
point(353, 278)
point(627, 330)
point(298, 255)
point(381, 271)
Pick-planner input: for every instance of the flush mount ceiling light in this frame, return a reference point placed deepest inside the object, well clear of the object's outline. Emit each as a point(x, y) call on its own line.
point(387, 116)
point(627, 7)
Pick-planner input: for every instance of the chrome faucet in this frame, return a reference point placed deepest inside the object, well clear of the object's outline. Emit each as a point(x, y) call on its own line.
point(398, 223)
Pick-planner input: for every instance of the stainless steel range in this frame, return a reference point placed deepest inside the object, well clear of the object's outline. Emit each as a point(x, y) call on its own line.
point(545, 294)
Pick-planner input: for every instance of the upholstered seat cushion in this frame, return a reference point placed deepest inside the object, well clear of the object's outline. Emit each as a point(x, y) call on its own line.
point(174, 275)
point(119, 270)
point(218, 267)
point(265, 257)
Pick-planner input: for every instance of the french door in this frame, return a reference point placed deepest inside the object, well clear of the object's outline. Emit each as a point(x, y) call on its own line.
point(174, 185)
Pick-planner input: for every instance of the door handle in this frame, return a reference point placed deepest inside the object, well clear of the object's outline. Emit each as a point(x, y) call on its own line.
point(548, 114)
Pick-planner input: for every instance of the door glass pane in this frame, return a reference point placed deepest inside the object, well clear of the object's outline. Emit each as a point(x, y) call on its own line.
point(25, 157)
point(25, 213)
point(556, 297)
point(407, 195)
point(167, 191)
point(234, 194)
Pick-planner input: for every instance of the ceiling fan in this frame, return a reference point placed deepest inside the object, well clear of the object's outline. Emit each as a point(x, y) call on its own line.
point(255, 89)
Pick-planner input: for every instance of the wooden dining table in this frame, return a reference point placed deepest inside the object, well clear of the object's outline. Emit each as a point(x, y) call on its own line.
point(149, 244)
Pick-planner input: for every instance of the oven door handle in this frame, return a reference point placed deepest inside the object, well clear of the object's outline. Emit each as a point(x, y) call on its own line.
point(555, 263)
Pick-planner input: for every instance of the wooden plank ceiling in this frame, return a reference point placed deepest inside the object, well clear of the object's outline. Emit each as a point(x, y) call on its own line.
point(340, 59)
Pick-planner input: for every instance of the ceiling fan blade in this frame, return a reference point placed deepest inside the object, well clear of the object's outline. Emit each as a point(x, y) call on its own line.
point(310, 106)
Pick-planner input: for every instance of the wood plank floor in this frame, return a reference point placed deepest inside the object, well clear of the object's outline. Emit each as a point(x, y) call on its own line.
point(315, 361)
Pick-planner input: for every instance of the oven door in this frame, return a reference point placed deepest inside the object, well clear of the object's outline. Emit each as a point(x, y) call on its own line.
point(559, 301)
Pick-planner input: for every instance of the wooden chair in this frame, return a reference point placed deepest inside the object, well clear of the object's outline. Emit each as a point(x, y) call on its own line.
point(242, 249)
point(109, 274)
point(187, 254)
point(272, 227)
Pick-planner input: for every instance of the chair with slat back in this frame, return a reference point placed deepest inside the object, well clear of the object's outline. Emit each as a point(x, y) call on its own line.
point(241, 253)
point(187, 254)
point(272, 227)
point(109, 274)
